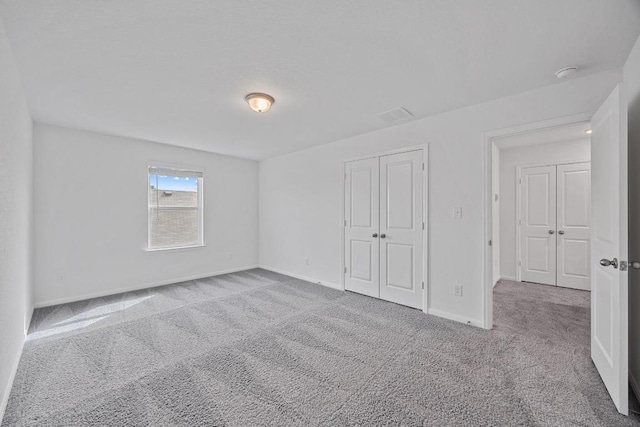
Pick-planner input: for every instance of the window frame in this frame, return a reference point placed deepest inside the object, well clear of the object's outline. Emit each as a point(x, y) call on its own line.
point(180, 170)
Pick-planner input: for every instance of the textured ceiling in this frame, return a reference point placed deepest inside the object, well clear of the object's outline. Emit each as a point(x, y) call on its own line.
point(564, 133)
point(177, 71)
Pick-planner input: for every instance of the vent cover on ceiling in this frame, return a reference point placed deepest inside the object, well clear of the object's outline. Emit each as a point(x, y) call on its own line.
point(395, 115)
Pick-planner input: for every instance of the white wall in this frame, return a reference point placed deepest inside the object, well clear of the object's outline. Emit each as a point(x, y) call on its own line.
point(300, 192)
point(510, 159)
point(16, 194)
point(631, 89)
point(91, 215)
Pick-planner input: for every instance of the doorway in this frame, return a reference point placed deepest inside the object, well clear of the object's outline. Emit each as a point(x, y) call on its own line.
point(384, 227)
point(609, 311)
point(540, 206)
point(608, 238)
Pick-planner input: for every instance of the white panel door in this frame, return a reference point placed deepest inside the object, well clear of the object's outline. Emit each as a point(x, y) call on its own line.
point(362, 219)
point(537, 231)
point(573, 222)
point(401, 238)
point(609, 285)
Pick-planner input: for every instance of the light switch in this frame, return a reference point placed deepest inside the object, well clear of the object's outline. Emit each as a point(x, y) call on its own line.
point(457, 212)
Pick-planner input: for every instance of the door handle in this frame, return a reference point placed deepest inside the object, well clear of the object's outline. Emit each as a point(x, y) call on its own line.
point(551, 231)
point(375, 235)
point(382, 236)
point(606, 263)
point(561, 232)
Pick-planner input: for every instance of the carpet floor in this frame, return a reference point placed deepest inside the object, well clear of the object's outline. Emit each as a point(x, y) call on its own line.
point(258, 348)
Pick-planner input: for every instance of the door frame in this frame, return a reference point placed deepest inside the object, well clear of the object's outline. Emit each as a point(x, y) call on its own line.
point(519, 205)
point(425, 212)
point(488, 136)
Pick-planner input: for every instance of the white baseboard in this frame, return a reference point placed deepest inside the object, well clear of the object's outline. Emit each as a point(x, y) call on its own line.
point(12, 377)
point(439, 313)
point(635, 386)
point(66, 300)
point(305, 278)
point(511, 278)
point(455, 317)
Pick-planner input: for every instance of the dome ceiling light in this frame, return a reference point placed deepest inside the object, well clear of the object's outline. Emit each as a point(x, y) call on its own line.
point(259, 102)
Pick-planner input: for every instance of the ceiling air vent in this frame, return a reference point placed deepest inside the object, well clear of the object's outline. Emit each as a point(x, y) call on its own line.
point(395, 115)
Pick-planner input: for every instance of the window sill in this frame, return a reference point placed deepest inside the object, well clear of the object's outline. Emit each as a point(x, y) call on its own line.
point(178, 248)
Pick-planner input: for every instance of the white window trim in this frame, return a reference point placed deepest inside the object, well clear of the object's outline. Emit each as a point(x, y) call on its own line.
point(180, 170)
point(177, 248)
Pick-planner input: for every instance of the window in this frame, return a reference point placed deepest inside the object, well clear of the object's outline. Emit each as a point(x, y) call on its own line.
point(175, 208)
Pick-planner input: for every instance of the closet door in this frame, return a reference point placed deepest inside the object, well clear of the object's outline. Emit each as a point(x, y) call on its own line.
point(538, 225)
point(574, 251)
point(362, 218)
point(401, 236)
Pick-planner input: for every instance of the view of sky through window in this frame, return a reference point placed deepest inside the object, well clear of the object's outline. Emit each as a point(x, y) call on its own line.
point(173, 183)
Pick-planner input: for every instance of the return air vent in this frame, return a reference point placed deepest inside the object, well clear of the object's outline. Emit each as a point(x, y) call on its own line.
point(395, 115)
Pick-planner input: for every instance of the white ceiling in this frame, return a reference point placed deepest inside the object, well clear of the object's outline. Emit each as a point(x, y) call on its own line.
point(564, 133)
point(177, 71)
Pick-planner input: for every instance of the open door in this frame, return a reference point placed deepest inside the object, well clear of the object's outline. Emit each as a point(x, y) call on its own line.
point(609, 281)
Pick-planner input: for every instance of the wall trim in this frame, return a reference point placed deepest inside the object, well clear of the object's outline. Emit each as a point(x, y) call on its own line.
point(635, 385)
point(455, 317)
point(305, 278)
point(138, 287)
point(12, 377)
point(434, 312)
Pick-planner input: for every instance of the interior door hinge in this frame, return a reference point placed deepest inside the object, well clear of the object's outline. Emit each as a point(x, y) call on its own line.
point(519, 262)
point(423, 166)
point(423, 225)
point(422, 285)
point(345, 175)
point(519, 180)
point(345, 270)
point(345, 222)
point(490, 243)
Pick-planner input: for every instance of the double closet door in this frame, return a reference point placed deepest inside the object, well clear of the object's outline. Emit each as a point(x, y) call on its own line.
point(384, 246)
point(555, 225)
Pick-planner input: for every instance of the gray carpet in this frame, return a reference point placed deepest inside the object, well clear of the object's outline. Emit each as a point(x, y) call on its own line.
point(258, 348)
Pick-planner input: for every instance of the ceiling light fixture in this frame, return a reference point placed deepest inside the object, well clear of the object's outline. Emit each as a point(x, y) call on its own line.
point(587, 131)
point(565, 72)
point(259, 102)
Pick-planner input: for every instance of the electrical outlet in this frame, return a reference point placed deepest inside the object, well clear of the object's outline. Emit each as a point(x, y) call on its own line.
point(306, 261)
point(59, 278)
point(457, 290)
point(457, 212)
